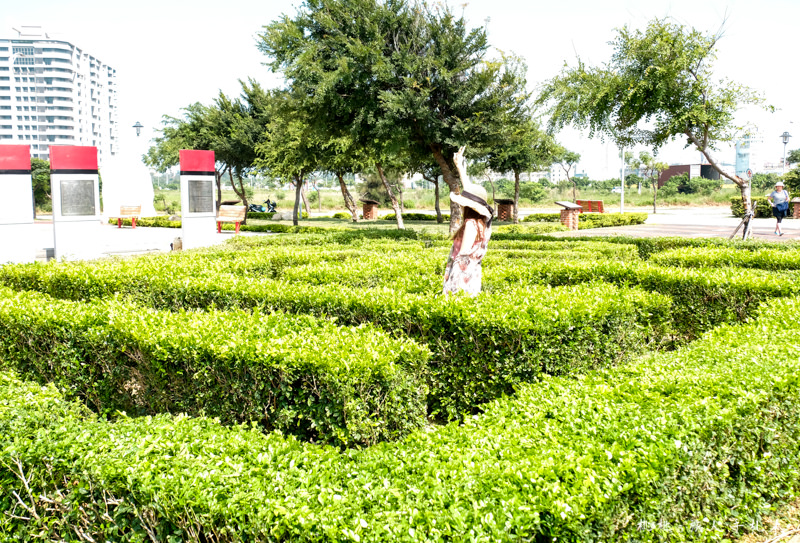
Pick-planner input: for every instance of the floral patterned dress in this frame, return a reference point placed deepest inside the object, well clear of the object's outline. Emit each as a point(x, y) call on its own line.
point(463, 273)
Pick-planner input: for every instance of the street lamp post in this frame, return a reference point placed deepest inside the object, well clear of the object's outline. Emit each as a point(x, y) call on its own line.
point(138, 126)
point(785, 137)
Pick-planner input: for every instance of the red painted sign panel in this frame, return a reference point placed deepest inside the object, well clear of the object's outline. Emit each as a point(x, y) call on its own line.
point(15, 157)
point(73, 157)
point(197, 161)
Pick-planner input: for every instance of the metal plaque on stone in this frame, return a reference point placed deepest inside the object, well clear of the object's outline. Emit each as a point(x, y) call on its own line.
point(77, 198)
point(201, 196)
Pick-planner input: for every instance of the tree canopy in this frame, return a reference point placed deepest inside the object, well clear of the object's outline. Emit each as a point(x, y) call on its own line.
point(658, 85)
point(392, 75)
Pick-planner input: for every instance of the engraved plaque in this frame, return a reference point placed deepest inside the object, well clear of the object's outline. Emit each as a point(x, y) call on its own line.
point(77, 198)
point(201, 196)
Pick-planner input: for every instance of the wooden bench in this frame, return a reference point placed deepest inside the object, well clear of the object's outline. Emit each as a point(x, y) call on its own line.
point(234, 214)
point(128, 212)
point(590, 206)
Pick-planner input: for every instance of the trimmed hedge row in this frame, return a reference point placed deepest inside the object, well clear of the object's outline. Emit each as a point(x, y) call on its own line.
point(763, 259)
point(702, 298)
point(481, 348)
point(650, 246)
point(297, 374)
point(592, 220)
point(415, 217)
point(687, 446)
point(543, 228)
point(606, 220)
point(162, 221)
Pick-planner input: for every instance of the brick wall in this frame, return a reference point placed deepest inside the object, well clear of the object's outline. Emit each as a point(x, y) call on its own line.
point(569, 218)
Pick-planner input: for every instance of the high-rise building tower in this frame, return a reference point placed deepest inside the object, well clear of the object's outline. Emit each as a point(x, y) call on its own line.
point(54, 93)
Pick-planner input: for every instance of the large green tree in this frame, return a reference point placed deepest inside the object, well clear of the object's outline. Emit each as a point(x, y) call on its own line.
point(40, 177)
point(393, 75)
point(521, 147)
point(793, 157)
point(567, 160)
point(289, 149)
point(649, 168)
point(238, 127)
point(658, 85)
point(194, 130)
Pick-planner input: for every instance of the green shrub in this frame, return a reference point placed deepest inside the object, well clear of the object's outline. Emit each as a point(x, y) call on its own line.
point(533, 192)
point(542, 217)
point(593, 220)
point(415, 217)
point(687, 446)
point(260, 216)
point(606, 220)
point(342, 215)
point(702, 298)
point(763, 207)
point(649, 246)
point(297, 374)
point(162, 221)
point(481, 347)
point(543, 228)
point(763, 259)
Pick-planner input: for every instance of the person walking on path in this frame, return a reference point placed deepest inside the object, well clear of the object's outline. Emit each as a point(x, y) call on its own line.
point(463, 271)
point(779, 199)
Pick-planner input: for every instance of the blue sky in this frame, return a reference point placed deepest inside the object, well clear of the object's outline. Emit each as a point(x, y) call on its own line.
point(169, 54)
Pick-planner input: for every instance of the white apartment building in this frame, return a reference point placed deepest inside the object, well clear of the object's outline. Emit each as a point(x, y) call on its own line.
point(54, 93)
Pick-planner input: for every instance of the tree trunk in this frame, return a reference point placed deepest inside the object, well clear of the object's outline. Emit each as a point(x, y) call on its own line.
point(349, 202)
point(400, 192)
point(744, 185)
point(746, 196)
point(218, 178)
point(319, 197)
point(298, 191)
point(574, 188)
point(655, 195)
point(454, 182)
point(439, 218)
point(516, 197)
point(238, 189)
point(305, 198)
point(398, 213)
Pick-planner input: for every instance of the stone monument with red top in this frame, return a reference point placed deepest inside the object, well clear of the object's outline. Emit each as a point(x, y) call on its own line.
point(74, 186)
point(16, 205)
point(198, 202)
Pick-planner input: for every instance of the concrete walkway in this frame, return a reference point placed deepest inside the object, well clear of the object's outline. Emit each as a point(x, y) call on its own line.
point(108, 240)
point(695, 222)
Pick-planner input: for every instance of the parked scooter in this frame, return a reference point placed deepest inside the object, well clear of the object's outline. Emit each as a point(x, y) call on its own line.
point(268, 207)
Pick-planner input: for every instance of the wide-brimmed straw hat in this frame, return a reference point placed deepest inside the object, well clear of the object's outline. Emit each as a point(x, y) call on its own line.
point(779, 184)
point(474, 197)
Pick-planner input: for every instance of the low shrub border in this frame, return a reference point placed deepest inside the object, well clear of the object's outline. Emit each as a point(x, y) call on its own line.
point(686, 446)
point(297, 374)
point(416, 217)
point(592, 220)
point(481, 348)
point(702, 298)
point(719, 257)
point(541, 228)
point(161, 221)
